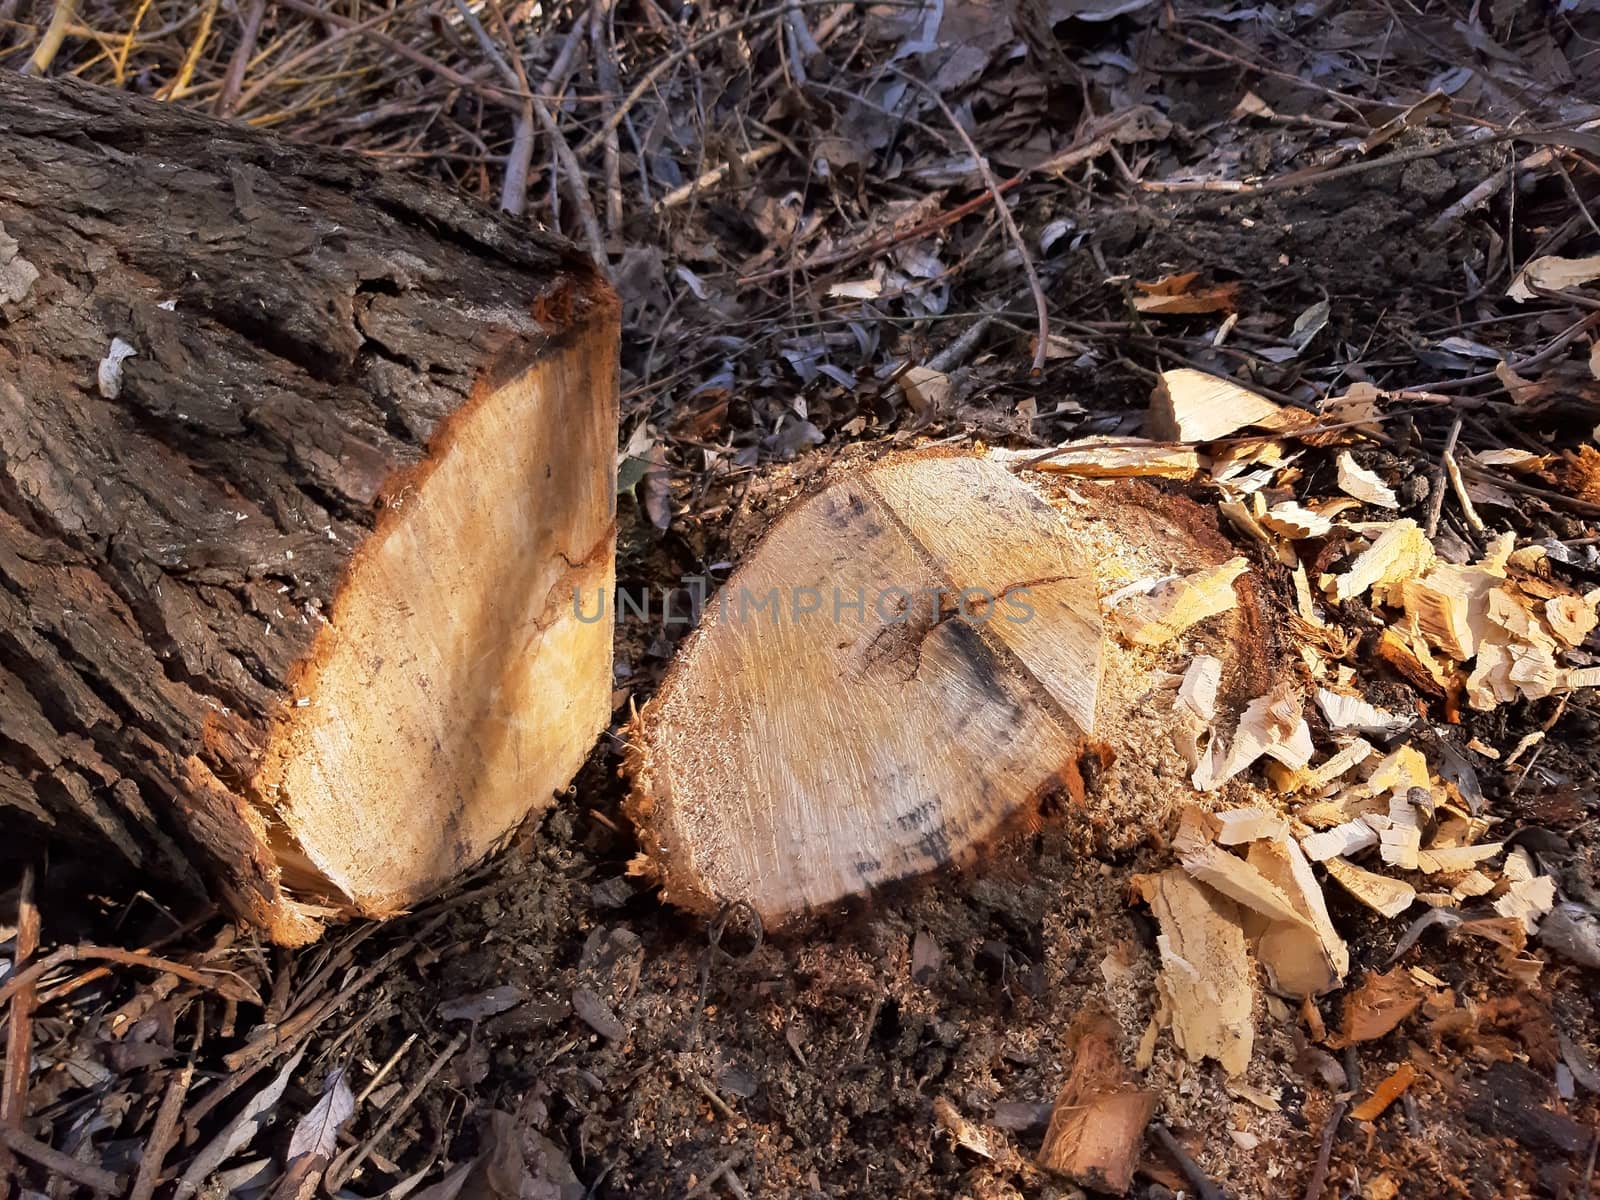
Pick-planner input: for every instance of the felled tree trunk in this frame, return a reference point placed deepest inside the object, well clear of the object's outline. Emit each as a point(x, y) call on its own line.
point(300, 466)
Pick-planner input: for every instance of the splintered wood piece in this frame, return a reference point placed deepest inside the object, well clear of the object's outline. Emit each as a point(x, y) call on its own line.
point(1270, 725)
point(1206, 975)
point(1529, 900)
point(1377, 1007)
point(1399, 771)
point(1355, 480)
point(1410, 656)
point(1109, 458)
point(1097, 1126)
point(1402, 551)
point(1391, 897)
point(1239, 825)
point(1171, 606)
point(1450, 606)
point(301, 466)
point(1449, 860)
point(802, 750)
point(1386, 1093)
point(1229, 874)
point(1570, 618)
point(1195, 706)
point(1191, 406)
point(1295, 521)
point(1306, 957)
point(1341, 841)
point(1352, 712)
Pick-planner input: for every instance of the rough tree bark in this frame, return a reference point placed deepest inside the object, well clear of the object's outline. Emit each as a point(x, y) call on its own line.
point(286, 595)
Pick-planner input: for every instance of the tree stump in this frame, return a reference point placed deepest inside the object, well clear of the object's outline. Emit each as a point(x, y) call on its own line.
point(911, 665)
point(300, 467)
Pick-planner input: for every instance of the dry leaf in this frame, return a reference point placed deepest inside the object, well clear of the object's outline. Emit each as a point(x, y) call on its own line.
point(1177, 294)
point(1553, 274)
point(926, 390)
point(318, 1131)
point(239, 1132)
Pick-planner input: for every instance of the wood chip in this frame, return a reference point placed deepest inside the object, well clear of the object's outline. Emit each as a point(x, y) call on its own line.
point(1570, 618)
point(1345, 760)
point(1352, 712)
point(1377, 1007)
point(1355, 480)
point(1240, 825)
point(1391, 897)
point(1295, 521)
point(1270, 725)
point(1206, 974)
point(1401, 552)
point(1191, 406)
point(1155, 617)
point(1450, 860)
point(1529, 899)
point(1231, 875)
point(1409, 655)
point(1450, 606)
point(1399, 772)
point(1110, 458)
point(1305, 957)
point(1341, 841)
point(1386, 1093)
point(1552, 273)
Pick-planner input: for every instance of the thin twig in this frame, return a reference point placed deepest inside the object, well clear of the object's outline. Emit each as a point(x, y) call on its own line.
point(703, 1188)
point(163, 1132)
point(714, 176)
point(1203, 1187)
point(648, 81)
point(1436, 480)
point(1319, 1173)
point(1006, 218)
point(340, 1170)
point(233, 82)
point(94, 1178)
point(605, 73)
point(55, 33)
point(224, 983)
point(19, 1032)
point(1229, 189)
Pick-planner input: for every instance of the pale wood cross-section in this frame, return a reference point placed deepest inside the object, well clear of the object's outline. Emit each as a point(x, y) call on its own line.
point(793, 757)
point(301, 466)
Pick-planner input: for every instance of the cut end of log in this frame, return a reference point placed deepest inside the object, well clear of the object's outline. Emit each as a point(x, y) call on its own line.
point(801, 752)
point(787, 760)
point(457, 685)
point(290, 581)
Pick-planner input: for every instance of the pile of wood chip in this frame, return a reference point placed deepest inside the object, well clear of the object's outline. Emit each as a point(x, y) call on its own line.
point(1369, 797)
